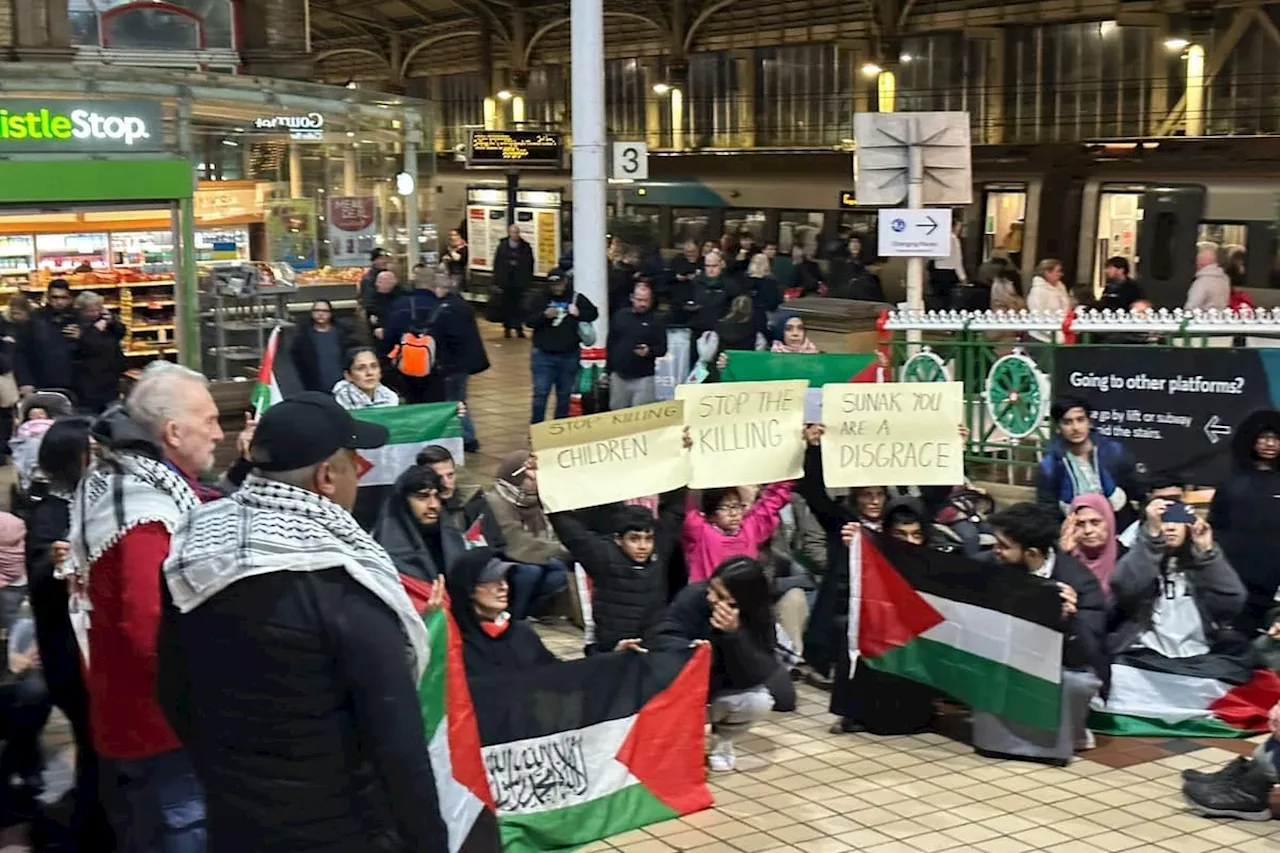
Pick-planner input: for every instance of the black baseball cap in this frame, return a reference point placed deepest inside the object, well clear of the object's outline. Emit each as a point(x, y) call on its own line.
point(307, 429)
point(378, 253)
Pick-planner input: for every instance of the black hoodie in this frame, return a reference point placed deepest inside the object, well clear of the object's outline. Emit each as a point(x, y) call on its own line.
point(1243, 515)
point(407, 541)
point(559, 334)
point(515, 649)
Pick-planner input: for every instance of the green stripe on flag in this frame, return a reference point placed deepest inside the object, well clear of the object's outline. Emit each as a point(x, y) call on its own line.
point(817, 369)
point(573, 826)
point(410, 424)
point(431, 688)
point(1123, 725)
point(982, 683)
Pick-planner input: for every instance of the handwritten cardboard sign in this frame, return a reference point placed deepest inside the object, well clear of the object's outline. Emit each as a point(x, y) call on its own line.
point(612, 456)
point(744, 432)
point(893, 434)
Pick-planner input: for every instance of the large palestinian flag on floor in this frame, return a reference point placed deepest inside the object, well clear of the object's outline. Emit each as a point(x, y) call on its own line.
point(987, 635)
point(586, 749)
point(466, 806)
point(1203, 696)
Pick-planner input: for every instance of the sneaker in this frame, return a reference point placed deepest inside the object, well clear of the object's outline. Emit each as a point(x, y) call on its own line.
point(1087, 742)
point(1245, 796)
point(1231, 771)
point(721, 758)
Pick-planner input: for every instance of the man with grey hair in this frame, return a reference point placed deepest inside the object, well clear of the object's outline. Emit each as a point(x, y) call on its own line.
point(1211, 288)
point(122, 517)
point(99, 361)
point(290, 662)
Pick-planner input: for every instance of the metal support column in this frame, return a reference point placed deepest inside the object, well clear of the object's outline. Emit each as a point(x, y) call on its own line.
point(589, 179)
point(412, 138)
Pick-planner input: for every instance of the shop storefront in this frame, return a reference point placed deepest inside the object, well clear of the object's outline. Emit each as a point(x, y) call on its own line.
point(136, 185)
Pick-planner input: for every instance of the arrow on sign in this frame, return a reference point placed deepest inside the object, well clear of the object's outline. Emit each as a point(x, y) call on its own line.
point(1215, 430)
point(929, 223)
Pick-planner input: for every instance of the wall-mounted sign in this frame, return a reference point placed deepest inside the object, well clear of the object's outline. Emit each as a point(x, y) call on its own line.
point(509, 149)
point(307, 128)
point(47, 126)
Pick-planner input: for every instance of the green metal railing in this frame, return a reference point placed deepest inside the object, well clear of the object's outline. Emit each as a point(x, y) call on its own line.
point(1006, 407)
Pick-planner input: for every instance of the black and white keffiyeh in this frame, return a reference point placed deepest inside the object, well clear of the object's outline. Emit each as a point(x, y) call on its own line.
point(120, 492)
point(268, 526)
point(349, 396)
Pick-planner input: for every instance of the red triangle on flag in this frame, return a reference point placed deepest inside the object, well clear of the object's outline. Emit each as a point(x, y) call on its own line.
point(363, 466)
point(892, 613)
point(474, 537)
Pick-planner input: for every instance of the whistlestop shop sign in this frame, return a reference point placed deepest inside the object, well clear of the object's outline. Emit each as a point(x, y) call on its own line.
point(54, 126)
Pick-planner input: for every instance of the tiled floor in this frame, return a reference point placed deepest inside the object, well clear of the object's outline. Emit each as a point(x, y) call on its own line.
point(800, 788)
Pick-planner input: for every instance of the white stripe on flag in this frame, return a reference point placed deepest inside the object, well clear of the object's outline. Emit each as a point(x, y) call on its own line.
point(391, 461)
point(459, 808)
point(584, 600)
point(1014, 642)
point(855, 599)
point(564, 769)
point(1161, 695)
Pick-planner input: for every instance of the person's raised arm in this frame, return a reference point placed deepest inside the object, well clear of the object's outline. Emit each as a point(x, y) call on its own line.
point(813, 487)
point(585, 546)
point(762, 519)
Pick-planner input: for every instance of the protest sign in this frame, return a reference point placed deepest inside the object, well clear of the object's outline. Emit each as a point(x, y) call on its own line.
point(612, 456)
point(894, 433)
point(744, 432)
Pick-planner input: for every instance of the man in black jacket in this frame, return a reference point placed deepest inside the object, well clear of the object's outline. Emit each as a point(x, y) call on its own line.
point(512, 276)
point(379, 261)
point(99, 361)
point(292, 680)
point(54, 339)
point(554, 317)
point(461, 354)
point(1027, 536)
point(637, 339)
point(627, 567)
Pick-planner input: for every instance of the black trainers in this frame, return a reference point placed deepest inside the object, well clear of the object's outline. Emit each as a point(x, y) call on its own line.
point(1231, 771)
point(1245, 795)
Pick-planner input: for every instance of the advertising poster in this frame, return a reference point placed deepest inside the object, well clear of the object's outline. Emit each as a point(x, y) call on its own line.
point(486, 228)
point(352, 223)
point(291, 232)
point(546, 248)
point(1175, 408)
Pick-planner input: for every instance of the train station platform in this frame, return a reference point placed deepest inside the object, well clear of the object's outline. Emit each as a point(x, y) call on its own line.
point(800, 789)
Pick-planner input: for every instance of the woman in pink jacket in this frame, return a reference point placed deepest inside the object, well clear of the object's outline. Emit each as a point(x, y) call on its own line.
point(726, 526)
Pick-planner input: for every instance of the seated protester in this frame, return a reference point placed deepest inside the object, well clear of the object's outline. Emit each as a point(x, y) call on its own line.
point(1080, 460)
point(413, 528)
point(627, 566)
point(1175, 593)
point(1244, 512)
point(540, 574)
point(1089, 535)
point(721, 525)
point(1166, 488)
point(24, 708)
point(1242, 789)
point(731, 611)
point(492, 641)
point(1026, 534)
point(794, 560)
point(464, 504)
point(361, 386)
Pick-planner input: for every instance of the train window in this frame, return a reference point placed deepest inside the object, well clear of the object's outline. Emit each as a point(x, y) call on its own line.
point(1229, 237)
point(642, 220)
point(799, 228)
point(1119, 220)
point(1003, 221)
point(860, 223)
point(690, 223)
point(736, 219)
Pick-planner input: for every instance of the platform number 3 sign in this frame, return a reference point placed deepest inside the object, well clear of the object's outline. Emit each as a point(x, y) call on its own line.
point(630, 161)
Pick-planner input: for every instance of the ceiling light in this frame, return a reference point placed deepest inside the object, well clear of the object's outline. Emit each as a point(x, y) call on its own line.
point(1176, 43)
point(504, 95)
point(871, 69)
point(661, 88)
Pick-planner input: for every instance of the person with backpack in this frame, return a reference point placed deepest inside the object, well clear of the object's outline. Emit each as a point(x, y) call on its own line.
point(413, 352)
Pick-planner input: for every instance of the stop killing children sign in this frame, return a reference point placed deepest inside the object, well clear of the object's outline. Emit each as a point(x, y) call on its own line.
point(752, 432)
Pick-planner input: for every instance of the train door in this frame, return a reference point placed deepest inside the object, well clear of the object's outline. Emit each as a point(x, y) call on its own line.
point(1004, 217)
point(1167, 227)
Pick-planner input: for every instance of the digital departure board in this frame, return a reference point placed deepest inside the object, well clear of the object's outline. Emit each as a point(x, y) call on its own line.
point(513, 149)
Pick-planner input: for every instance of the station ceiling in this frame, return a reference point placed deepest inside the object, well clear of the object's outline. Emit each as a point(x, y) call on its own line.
point(367, 40)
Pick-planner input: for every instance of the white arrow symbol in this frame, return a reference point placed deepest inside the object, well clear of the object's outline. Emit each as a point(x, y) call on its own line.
point(1214, 430)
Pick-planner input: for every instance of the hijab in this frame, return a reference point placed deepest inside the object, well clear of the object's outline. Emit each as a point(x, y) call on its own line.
point(511, 474)
point(1100, 561)
point(779, 332)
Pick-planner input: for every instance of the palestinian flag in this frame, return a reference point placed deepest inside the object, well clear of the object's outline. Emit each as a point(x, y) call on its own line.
point(474, 535)
point(448, 717)
point(412, 428)
point(586, 749)
point(266, 393)
point(1204, 696)
point(817, 369)
point(988, 635)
